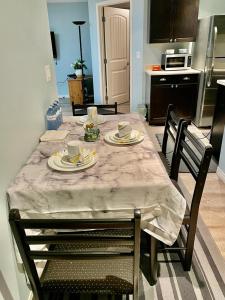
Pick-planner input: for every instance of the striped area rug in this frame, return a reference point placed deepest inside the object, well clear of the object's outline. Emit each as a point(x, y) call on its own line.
point(205, 281)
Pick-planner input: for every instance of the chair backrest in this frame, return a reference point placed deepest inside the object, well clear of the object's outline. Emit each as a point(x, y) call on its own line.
point(172, 128)
point(196, 156)
point(103, 109)
point(24, 241)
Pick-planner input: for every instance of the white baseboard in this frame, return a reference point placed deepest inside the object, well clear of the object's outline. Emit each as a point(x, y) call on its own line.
point(30, 297)
point(220, 174)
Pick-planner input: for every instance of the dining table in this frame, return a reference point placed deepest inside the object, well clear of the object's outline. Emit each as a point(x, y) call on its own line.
point(123, 178)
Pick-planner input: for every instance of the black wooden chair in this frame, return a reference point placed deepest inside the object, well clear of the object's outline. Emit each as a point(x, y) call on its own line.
point(196, 156)
point(103, 109)
point(171, 131)
point(103, 261)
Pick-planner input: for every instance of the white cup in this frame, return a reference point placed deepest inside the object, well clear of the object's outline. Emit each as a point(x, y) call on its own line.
point(124, 129)
point(92, 113)
point(73, 148)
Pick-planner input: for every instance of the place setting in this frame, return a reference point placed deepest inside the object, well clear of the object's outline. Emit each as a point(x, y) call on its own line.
point(75, 157)
point(124, 135)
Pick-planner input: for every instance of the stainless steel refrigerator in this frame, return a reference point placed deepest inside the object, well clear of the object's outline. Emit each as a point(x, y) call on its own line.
point(209, 57)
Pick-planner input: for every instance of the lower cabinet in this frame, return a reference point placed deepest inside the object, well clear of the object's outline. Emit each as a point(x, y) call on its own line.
point(180, 90)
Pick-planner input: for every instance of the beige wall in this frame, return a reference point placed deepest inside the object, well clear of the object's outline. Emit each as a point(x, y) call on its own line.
point(25, 95)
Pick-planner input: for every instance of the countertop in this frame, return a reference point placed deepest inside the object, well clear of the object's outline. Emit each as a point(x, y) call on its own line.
point(221, 82)
point(181, 72)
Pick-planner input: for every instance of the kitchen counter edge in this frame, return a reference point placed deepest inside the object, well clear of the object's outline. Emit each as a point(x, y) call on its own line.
point(180, 72)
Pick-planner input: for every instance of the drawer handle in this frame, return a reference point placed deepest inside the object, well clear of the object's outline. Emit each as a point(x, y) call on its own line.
point(171, 40)
point(176, 86)
point(172, 86)
point(162, 79)
point(186, 78)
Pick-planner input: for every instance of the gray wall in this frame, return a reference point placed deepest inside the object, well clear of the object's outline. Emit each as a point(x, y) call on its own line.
point(25, 95)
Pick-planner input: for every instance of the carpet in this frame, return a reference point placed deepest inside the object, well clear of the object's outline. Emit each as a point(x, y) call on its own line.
point(183, 168)
point(205, 281)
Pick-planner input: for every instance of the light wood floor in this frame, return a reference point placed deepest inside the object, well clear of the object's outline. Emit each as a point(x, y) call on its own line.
point(212, 208)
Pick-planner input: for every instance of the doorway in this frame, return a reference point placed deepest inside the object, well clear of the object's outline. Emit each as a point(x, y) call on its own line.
point(114, 38)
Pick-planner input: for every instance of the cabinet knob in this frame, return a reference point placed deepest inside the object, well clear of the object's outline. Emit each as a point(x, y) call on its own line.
point(172, 86)
point(186, 78)
point(171, 40)
point(175, 40)
point(162, 79)
point(176, 86)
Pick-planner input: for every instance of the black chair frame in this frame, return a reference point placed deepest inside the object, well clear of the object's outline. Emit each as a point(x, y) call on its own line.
point(172, 130)
point(29, 256)
point(198, 165)
point(83, 108)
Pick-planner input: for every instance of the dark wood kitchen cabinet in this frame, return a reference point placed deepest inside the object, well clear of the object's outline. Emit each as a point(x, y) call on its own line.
point(180, 90)
point(173, 20)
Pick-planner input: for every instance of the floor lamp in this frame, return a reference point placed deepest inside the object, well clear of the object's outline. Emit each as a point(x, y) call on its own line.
point(79, 24)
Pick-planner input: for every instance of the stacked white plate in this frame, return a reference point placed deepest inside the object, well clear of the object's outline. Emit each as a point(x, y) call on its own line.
point(83, 119)
point(61, 162)
point(134, 138)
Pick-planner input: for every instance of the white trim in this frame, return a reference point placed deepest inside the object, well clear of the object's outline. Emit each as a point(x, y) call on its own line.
point(30, 297)
point(99, 6)
point(220, 174)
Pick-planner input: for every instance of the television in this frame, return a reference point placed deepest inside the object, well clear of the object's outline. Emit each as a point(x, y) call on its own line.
point(54, 50)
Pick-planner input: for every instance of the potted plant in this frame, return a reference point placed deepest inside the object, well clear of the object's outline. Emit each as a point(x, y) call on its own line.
point(78, 65)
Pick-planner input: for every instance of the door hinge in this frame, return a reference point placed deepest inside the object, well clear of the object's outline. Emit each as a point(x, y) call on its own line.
point(106, 98)
point(105, 61)
point(103, 18)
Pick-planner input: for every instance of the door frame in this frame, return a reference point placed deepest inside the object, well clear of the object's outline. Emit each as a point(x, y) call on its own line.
point(101, 50)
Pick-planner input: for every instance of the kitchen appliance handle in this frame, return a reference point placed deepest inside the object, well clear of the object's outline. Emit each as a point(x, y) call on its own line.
point(213, 57)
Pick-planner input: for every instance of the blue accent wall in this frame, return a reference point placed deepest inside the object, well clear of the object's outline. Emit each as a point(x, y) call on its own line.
point(61, 16)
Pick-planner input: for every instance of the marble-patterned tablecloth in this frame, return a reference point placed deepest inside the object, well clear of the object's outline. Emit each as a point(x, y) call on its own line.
point(124, 178)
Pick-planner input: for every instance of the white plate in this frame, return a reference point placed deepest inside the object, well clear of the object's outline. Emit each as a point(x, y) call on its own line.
point(109, 137)
point(83, 119)
point(55, 163)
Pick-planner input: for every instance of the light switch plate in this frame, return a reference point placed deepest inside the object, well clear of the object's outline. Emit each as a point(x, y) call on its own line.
point(48, 74)
point(138, 54)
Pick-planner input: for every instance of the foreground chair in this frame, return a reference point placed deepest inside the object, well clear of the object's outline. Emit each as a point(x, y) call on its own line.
point(77, 262)
point(196, 157)
point(171, 130)
point(104, 109)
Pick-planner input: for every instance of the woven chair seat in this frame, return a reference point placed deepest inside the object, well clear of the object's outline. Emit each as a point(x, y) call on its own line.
point(98, 246)
point(107, 233)
point(104, 276)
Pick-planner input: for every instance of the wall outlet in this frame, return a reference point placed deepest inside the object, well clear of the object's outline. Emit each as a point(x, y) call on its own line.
point(48, 74)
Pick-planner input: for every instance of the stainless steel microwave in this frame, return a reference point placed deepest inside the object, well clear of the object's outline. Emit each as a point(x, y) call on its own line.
point(176, 62)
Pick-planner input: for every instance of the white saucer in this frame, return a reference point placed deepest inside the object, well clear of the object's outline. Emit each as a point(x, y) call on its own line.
point(110, 138)
point(55, 163)
point(84, 119)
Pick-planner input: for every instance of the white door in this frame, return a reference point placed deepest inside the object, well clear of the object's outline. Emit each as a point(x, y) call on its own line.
point(117, 52)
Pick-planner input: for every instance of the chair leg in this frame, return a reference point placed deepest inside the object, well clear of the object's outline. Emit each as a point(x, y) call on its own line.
point(153, 261)
point(190, 247)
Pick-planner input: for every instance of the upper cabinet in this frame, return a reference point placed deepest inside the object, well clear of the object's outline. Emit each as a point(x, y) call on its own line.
point(173, 20)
